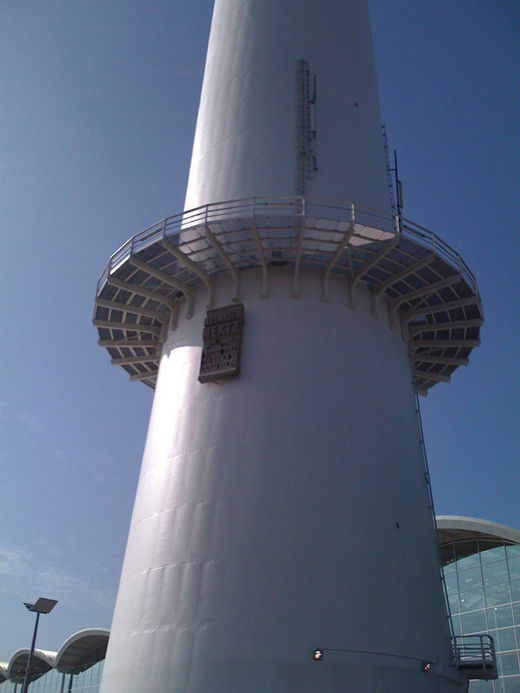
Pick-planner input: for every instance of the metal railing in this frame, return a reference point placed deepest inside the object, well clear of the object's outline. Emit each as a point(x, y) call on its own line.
point(476, 655)
point(290, 209)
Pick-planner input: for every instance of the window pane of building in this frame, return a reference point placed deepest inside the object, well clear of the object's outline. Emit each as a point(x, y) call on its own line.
point(506, 639)
point(514, 567)
point(500, 616)
point(495, 572)
point(498, 594)
point(474, 622)
point(470, 579)
point(471, 600)
point(491, 551)
point(515, 590)
point(450, 580)
point(512, 685)
point(456, 623)
point(508, 663)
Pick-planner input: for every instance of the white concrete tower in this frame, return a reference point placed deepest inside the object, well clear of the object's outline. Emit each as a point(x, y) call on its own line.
point(283, 506)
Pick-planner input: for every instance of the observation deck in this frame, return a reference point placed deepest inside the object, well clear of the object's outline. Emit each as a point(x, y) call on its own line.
point(432, 295)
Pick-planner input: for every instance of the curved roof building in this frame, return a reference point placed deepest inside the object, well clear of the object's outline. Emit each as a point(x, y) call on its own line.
point(481, 566)
point(81, 655)
point(42, 661)
point(456, 528)
point(82, 650)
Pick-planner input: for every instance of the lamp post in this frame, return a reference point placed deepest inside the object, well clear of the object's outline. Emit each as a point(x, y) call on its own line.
point(42, 606)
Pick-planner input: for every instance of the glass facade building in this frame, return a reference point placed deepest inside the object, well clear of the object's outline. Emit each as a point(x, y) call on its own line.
point(77, 667)
point(481, 566)
point(55, 681)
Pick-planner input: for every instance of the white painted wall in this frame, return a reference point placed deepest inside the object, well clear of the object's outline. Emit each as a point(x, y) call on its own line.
point(245, 141)
point(265, 518)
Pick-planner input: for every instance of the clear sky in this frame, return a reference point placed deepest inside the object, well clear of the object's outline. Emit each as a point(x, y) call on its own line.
point(97, 114)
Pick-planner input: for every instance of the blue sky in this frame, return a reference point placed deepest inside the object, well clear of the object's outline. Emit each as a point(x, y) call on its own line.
point(97, 115)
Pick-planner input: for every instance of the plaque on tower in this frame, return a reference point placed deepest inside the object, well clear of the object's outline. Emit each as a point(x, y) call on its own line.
point(222, 338)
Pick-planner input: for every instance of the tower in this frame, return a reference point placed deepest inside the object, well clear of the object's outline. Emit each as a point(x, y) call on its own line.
point(285, 319)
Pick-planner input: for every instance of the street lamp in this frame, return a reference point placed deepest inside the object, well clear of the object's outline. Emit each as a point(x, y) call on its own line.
point(42, 606)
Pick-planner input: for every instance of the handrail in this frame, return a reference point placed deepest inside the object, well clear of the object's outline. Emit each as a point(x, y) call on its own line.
point(310, 208)
point(476, 652)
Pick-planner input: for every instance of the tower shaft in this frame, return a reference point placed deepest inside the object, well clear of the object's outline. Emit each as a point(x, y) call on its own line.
point(289, 105)
point(286, 509)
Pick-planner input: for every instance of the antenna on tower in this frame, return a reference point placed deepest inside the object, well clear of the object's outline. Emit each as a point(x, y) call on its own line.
point(388, 169)
point(397, 201)
point(398, 186)
point(306, 125)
